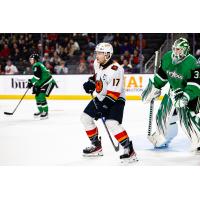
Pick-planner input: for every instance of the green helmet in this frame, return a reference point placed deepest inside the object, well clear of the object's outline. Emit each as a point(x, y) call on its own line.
point(180, 50)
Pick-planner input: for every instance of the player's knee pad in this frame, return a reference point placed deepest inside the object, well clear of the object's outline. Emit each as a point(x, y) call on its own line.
point(87, 121)
point(113, 126)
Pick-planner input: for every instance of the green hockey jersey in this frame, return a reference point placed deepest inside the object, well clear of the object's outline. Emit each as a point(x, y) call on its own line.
point(184, 75)
point(42, 75)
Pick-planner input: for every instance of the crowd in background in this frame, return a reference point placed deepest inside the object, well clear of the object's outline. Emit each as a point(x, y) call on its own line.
point(67, 53)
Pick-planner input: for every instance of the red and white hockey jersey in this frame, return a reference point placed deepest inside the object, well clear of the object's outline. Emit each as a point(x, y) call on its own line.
point(109, 81)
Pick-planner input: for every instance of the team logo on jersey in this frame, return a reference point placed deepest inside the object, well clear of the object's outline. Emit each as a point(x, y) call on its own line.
point(175, 75)
point(114, 67)
point(99, 85)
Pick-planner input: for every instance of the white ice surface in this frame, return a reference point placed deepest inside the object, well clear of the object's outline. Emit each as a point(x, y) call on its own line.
point(60, 139)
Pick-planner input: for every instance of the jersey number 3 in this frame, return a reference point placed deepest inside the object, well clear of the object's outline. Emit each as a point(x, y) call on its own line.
point(116, 81)
point(196, 74)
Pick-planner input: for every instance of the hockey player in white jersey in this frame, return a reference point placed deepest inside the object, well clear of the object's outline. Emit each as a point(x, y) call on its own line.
point(108, 81)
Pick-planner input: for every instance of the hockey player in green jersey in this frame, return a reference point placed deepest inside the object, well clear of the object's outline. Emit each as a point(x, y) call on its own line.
point(42, 83)
point(182, 71)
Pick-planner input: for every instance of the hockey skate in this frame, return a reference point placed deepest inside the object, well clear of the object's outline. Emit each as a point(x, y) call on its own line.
point(37, 114)
point(44, 115)
point(94, 150)
point(129, 155)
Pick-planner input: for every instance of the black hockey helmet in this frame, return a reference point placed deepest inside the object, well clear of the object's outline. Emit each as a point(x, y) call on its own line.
point(35, 56)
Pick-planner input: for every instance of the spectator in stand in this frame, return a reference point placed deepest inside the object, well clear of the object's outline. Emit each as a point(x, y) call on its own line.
point(25, 53)
point(124, 47)
point(137, 61)
point(61, 69)
point(108, 38)
point(116, 48)
point(62, 53)
point(13, 48)
point(198, 54)
point(82, 69)
point(73, 47)
point(5, 52)
point(46, 58)
point(52, 37)
point(10, 68)
point(91, 44)
point(55, 59)
point(1, 69)
point(127, 67)
point(16, 56)
point(46, 49)
point(21, 65)
point(126, 56)
point(49, 67)
point(39, 49)
point(138, 42)
point(132, 44)
point(83, 57)
point(28, 71)
point(90, 61)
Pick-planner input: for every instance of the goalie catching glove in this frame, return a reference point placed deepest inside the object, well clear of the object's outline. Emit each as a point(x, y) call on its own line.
point(150, 92)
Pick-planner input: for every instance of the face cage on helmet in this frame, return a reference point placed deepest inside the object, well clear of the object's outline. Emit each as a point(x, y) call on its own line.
point(177, 58)
point(106, 54)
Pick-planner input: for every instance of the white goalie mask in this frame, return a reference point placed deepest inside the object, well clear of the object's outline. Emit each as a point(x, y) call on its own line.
point(106, 48)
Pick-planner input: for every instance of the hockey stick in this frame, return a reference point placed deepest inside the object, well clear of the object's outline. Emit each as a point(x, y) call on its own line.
point(153, 100)
point(103, 120)
point(11, 113)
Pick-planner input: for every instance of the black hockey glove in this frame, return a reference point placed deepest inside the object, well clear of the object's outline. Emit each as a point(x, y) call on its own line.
point(89, 86)
point(30, 84)
point(36, 90)
point(101, 110)
point(103, 107)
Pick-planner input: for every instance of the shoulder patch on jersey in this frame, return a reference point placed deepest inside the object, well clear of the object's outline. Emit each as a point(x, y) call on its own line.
point(114, 67)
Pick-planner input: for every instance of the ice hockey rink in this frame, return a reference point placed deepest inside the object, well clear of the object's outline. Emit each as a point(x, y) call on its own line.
point(60, 139)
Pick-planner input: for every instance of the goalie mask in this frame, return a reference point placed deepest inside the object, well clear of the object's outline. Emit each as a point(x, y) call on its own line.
point(106, 48)
point(180, 50)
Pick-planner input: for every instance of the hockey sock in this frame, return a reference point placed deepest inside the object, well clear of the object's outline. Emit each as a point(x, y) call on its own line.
point(93, 135)
point(39, 106)
point(45, 106)
point(41, 99)
point(123, 138)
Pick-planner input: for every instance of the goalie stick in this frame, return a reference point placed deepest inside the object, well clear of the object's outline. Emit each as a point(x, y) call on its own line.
point(153, 100)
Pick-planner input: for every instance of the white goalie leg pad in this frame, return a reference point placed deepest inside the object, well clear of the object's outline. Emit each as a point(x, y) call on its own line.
point(160, 140)
point(157, 139)
point(87, 121)
point(114, 127)
point(166, 127)
point(172, 129)
point(190, 124)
